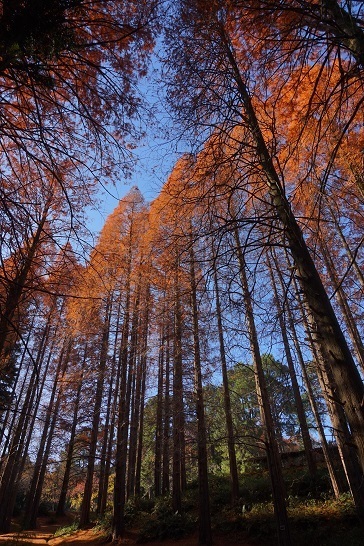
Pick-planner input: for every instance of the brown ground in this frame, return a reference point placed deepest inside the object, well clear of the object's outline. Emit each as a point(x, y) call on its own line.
point(45, 531)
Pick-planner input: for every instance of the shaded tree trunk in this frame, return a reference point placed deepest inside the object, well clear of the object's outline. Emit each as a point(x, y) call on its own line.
point(178, 465)
point(40, 467)
point(87, 493)
point(166, 417)
point(335, 481)
point(311, 464)
point(234, 479)
point(349, 388)
point(205, 536)
point(352, 328)
point(271, 445)
point(159, 420)
point(21, 434)
point(60, 511)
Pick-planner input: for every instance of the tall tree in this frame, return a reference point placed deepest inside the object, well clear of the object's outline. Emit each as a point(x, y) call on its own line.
point(209, 57)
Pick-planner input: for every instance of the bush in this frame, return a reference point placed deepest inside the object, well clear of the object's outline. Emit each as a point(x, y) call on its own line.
point(164, 523)
point(67, 530)
point(137, 506)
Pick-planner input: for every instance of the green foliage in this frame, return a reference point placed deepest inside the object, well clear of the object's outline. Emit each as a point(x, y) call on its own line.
point(165, 523)
point(103, 524)
point(246, 415)
point(136, 507)
point(67, 530)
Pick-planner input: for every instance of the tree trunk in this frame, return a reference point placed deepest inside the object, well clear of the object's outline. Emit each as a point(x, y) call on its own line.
point(311, 464)
point(159, 420)
point(340, 295)
point(205, 536)
point(118, 523)
point(178, 467)
point(136, 372)
point(351, 256)
point(273, 457)
point(347, 451)
point(167, 417)
point(8, 326)
point(21, 436)
point(60, 511)
point(143, 366)
point(87, 493)
point(348, 386)
point(33, 495)
point(335, 481)
point(234, 478)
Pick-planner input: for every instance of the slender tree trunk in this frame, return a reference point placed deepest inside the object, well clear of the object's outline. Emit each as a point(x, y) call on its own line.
point(311, 464)
point(273, 457)
point(205, 536)
point(7, 422)
point(136, 372)
point(351, 256)
point(103, 493)
point(87, 494)
point(159, 420)
point(234, 479)
point(15, 459)
point(8, 326)
point(352, 328)
point(167, 417)
point(35, 492)
point(178, 468)
point(60, 511)
point(349, 388)
point(143, 365)
point(105, 441)
point(33, 496)
point(118, 524)
point(335, 481)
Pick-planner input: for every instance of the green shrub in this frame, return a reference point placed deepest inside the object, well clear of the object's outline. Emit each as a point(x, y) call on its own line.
point(137, 506)
point(104, 523)
point(67, 530)
point(164, 523)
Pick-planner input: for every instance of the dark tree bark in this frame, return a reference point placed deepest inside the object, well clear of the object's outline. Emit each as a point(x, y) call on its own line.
point(167, 418)
point(8, 324)
point(143, 367)
point(159, 420)
point(60, 511)
point(234, 478)
point(342, 301)
point(335, 481)
point(22, 431)
point(40, 467)
point(349, 388)
point(271, 445)
point(178, 466)
point(311, 463)
point(87, 494)
point(205, 536)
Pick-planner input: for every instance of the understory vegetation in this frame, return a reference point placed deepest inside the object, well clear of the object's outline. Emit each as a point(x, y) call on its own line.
point(316, 518)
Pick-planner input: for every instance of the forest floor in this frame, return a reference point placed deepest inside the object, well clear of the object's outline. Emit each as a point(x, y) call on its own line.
point(44, 534)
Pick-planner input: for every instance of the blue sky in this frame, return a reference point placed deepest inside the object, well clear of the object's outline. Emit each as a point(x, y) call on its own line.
point(155, 155)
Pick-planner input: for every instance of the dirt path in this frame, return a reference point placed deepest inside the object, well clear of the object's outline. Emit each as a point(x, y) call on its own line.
point(45, 535)
point(88, 537)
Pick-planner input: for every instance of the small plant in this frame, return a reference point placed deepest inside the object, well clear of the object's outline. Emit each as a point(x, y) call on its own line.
point(66, 530)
